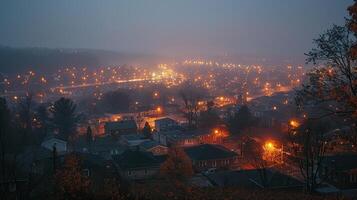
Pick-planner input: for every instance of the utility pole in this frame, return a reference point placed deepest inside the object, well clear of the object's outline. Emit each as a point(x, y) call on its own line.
point(282, 153)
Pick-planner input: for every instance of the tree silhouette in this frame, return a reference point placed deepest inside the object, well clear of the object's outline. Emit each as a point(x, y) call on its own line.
point(25, 117)
point(147, 130)
point(4, 125)
point(353, 26)
point(70, 181)
point(241, 120)
point(209, 119)
point(43, 119)
point(177, 166)
point(332, 86)
point(254, 154)
point(310, 136)
point(89, 138)
point(191, 95)
point(64, 117)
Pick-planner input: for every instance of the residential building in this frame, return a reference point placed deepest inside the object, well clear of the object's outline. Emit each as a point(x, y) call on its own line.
point(185, 138)
point(118, 128)
point(254, 179)
point(154, 147)
point(165, 124)
point(132, 140)
point(136, 165)
point(106, 147)
point(207, 156)
point(55, 141)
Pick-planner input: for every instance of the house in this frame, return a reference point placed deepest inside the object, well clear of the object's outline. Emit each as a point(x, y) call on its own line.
point(118, 128)
point(132, 140)
point(96, 168)
point(165, 124)
point(106, 146)
point(162, 137)
point(82, 144)
point(136, 165)
point(38, 160)
point(254, 179)
point(154, 147)
point(184, 138)
point(55, 141)
point(340, 170)
point(207, 156)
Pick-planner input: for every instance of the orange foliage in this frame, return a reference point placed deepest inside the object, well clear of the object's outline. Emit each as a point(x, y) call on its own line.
point(353, 26)
point(70, 182)
point(177, 165)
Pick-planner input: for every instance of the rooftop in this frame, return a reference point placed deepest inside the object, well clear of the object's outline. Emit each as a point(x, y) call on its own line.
point(209, 152)
point(149, 144)
point(180, 134)
point(124, 124)
point(165, 119)
point(131, 137)
point(252, 179)
point(132, 159)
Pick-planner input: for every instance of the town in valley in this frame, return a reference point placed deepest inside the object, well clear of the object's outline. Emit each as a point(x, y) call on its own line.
point(85, 123)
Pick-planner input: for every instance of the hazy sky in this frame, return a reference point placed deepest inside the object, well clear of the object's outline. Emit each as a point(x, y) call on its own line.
point(171, 27)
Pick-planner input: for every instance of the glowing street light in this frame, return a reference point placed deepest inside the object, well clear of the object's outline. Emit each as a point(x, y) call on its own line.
point(272, 152)
point(269, 146)
point(294, 123)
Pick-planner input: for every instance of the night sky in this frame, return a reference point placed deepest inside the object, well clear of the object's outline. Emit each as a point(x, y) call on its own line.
point(168, 27)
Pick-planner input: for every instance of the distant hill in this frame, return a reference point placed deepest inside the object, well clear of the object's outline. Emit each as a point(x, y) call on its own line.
point(15, 60)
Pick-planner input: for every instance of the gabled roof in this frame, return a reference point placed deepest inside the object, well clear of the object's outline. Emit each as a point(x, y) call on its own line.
point(132, 137)
point(124, 124)
point(209, 152)
point(54, 136)
point(106, 143)
point(133, 159)
point(253, 179)
point(181, 134)
point(149, 144)
point(165, 119)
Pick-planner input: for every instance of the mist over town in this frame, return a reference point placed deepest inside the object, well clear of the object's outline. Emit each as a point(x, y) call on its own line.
point(206, 99)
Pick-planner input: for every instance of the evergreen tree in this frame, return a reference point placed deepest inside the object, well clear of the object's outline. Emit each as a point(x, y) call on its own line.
point(147, 130)
point(89, 138)
point(64, 117)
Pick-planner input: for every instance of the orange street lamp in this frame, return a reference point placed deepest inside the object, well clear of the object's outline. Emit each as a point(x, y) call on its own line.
point(269, 146)
point(294, 123)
